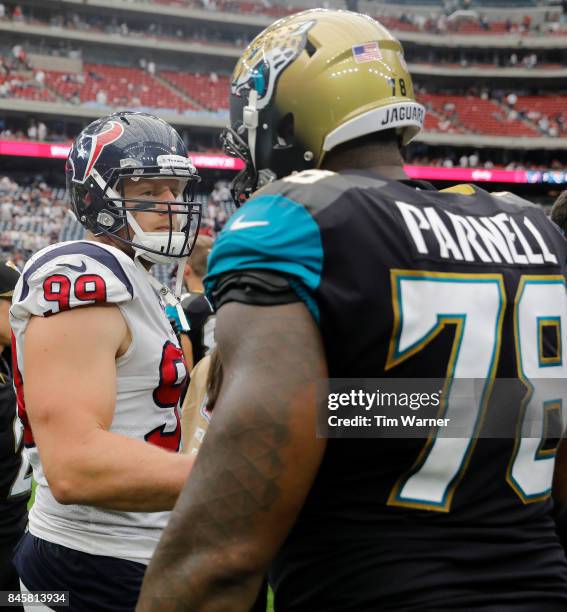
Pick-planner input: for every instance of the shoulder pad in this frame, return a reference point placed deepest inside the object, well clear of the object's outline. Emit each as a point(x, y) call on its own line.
point(73, 274)
point(313, 189)
point(512, 198)
point(270, 232)
point(461, 189)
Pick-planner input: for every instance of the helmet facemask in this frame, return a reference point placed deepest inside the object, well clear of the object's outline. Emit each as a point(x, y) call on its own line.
point(119, 217)
point(246, 181)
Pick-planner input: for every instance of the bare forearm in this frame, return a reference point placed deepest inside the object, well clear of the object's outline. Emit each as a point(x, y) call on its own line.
point(190, 570)
point(256, 465)
point(199, 584)
point(119, 473)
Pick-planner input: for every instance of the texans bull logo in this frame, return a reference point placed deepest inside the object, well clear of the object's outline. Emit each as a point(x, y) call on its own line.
point(89, 148)
point(266, 58)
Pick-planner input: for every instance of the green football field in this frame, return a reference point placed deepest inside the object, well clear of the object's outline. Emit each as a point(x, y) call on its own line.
point(270, 607)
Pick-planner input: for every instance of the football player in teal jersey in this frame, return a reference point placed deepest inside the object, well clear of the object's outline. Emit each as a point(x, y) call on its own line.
point(347, 269)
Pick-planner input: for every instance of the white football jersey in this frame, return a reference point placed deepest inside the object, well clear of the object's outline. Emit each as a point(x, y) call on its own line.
point(150, 377)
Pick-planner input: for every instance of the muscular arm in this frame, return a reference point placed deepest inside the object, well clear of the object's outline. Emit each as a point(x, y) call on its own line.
point(70, 394)
point(255, 467)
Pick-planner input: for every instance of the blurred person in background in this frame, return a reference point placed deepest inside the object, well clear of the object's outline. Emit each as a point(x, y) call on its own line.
point(199, 401)
point(98, 370)
point(15, 470)
point(349, 269)
point(198, 310)
point(41, 131)
point(197, 307)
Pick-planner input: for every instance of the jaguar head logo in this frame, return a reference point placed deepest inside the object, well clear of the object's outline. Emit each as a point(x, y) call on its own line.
point(266, 58)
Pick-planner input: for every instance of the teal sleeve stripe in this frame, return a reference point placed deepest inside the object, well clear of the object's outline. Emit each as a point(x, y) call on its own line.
point(270, 232)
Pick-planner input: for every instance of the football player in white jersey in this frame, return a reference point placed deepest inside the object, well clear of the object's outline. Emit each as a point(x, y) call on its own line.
point(98, 369)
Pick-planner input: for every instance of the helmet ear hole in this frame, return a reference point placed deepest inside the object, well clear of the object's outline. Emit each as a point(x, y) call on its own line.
point(310, 48)
point(285, 132)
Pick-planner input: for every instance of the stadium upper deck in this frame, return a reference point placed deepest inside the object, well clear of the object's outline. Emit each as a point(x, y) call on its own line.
point(174, 56)
point(101, 86)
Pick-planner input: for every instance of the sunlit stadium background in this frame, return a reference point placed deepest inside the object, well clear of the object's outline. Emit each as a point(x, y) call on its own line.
point(492, 74)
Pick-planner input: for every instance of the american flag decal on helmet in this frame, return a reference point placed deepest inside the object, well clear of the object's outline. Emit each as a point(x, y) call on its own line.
point(367, 52)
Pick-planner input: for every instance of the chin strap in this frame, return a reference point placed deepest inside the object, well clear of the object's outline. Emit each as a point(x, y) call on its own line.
point(179, 277)
point(167, 296)
point(138, 233)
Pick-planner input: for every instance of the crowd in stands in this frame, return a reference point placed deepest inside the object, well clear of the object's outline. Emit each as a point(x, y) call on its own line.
point(483, 58)
point(471, 22)
point(261, 7)
point(148, 87)
point(30, 129)
point(478, 159)
point(105, 86)
point(107, 24)
point(463, 22)
point(35, 130)
point(440, 21)
point(14, 11)
point(15, 80)
point(31, 218)
point(496, 112)
point(443, 120)
point(429, 158)
point(218, 208)
point(208, 35)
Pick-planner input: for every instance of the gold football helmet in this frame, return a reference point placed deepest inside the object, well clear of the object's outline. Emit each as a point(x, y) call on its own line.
point(310, 82)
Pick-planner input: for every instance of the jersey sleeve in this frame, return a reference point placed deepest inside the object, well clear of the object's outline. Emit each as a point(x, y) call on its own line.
point(271, 232)
point(70, 276)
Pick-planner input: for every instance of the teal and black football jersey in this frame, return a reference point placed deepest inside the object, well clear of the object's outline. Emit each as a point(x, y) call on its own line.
point(15, 471)
point(415, 283)
point(201, 318)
